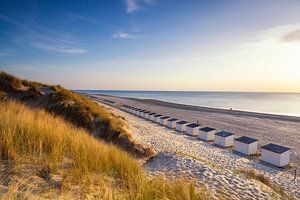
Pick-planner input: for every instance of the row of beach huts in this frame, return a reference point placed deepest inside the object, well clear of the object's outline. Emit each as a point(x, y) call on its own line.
point(271, 153)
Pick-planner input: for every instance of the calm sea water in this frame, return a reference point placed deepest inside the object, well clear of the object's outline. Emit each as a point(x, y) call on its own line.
point(274, 103)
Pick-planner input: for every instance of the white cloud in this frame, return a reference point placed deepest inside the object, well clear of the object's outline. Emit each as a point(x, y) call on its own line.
point(123, 35)
point(61, 49)
point(131, 5)
point(134, 5)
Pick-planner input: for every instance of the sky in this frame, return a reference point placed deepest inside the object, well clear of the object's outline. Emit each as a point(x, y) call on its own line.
point(194, 45)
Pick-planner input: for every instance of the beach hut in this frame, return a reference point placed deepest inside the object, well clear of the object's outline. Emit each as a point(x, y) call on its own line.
point(171, 123)
point(193, 129)
point(246, 145)
point(156, 117)
point(141, 112)
point(275, 154)
point(108, 102)
point(181, 126)
point(224, 139)
point(151, 115)
point(146, 114)
point(163, 120)
point(207, 133)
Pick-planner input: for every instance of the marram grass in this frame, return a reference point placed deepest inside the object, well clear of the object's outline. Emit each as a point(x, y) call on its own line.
point(37, 137)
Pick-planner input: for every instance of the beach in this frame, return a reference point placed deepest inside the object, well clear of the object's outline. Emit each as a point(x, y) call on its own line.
point(179, 154)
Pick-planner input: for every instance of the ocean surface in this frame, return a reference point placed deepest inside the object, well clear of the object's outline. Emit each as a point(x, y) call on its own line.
point(273, 103)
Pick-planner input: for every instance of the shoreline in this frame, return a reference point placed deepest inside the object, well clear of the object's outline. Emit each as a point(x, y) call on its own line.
point(233, 112)
point(282, 130)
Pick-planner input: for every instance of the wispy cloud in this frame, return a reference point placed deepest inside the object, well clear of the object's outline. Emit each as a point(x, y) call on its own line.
point(92, 21)
point(61, 49)
point(124, 35)
point(46, 38)
point(292, 36)
point(131, 5)
point(134, 5)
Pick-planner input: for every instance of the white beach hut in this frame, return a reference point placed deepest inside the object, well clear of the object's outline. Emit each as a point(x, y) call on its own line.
point(275, 154)
point(246, 145)
point(193, 129)
point(151, 115)
point(224, 139)
point(207, 133)
point(163, 120)
point(171, 123)
point(145, 115)
point(141, 112)
point(181, 126)
point(156, 117)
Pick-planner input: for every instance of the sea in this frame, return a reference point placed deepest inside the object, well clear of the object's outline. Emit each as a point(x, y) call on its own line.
point(271, 103)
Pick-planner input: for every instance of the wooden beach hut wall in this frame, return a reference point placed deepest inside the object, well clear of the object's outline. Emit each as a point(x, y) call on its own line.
point(163, 120)
point(246, 145)
point(207, 133)
point(224, 139)
point(181, 126)
point(193, 129)
point(275, 154)
point(171, 123)
point(156, 118)
point(151, 115)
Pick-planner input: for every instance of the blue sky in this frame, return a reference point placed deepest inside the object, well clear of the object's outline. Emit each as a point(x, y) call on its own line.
point(226, 45)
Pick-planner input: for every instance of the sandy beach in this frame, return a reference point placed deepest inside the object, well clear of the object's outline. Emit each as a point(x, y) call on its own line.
point(217, 168)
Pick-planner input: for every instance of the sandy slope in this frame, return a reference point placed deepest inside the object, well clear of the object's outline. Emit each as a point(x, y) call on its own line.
point(216, 167)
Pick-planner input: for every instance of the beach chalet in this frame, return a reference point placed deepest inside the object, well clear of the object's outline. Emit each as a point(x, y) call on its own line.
point(135, 111)
point(141, 113)
point(123, 107)
point(207, 133)
point(181, 126)
point(246, 145)
point(171, 123)
point(156, 117)
point(145, 115)
point(151, 115)
point(108, 102)
point(163, 120)
point(224, 139)
point(193, 129)
point(275, 154)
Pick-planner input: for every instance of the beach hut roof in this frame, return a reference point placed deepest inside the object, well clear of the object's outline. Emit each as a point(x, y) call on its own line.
point(275, 148)
point(172, 119)
point(246, 140)
point(224, 134)
point(164, 117)
point(152, 113)
point(207, 129)
point(108, 101)
point(193, 125)
point(182, 122)
point(158, 115)
point(147, 111)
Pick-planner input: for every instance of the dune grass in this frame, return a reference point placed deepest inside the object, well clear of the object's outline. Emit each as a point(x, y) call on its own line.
point(74, 108)
point(49, 142)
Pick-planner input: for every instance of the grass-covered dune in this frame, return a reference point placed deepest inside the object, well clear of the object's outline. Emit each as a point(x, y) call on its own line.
point(73, 107)
point(43, 156)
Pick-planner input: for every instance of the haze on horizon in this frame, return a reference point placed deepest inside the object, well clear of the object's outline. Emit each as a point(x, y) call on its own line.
point(207, 45)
